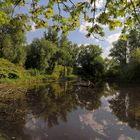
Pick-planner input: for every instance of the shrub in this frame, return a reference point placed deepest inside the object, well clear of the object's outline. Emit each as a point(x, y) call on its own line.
point(34, 72)
point(69, 71)
point(58, 71)
point(10, 70)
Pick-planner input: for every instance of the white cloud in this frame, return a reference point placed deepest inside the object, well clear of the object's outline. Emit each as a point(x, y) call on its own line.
point(33, 29)
point(114, 37)
point(84, 26)
point(106, 51)
point(110, 39)
point(86, 44)
point(83, 30)
point(99, 3)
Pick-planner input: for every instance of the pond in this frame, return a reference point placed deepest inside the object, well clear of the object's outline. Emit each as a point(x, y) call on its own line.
point(66, 111)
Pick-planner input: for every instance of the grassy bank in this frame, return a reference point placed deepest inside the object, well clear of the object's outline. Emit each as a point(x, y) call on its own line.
point(32, 80)
point(17, 75)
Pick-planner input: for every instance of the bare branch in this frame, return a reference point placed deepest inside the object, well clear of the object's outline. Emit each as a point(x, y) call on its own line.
point(16, 4)
point(72, 3)
point(67, 7)
point(97, 37)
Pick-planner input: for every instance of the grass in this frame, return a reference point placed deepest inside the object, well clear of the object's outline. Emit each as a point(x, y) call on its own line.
point(17, 75)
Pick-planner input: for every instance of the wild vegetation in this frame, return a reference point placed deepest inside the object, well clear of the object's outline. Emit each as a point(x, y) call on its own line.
point(66, 14)
point(53, 55)
point(33, 101)
point(125, 58)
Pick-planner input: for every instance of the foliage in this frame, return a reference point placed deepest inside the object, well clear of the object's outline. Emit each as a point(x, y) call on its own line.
point(64, 51)
point(119, 51)
point(135, 64)
point(112, 69)
point(12, 42)
point(127, 55)
point(51, 35)
point(10, 70)
point(68, 13)
point(39, 54)
point(34, 72)
point(135, 56)
point(58, 72)
point(92, 64)
point(133, 39)
point(69, 70)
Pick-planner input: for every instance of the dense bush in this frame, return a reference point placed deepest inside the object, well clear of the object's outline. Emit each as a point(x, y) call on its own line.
point(69, 71)
point(58, 72)
point(10, 70)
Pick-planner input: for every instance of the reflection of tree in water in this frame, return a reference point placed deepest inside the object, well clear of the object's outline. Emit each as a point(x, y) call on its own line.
point(50, 103)
point(55, 101)
point(126, 106)
point(89, 98)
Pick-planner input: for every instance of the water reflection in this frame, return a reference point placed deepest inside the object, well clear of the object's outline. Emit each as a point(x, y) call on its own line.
point(64, 111)
point(50, 103)
point(126, 106)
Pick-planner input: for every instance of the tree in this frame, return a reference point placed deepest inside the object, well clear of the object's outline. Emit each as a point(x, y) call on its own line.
point(135, 56)
point(133, 39)
point(120, 51)
point(51, 35)
point(13, 42)
point(64, 53)
point(126, 54)
point(135, 64)
point(91, 62)
point(123, 47)
point(39, 54)
point(109, 13)
point(112, 69)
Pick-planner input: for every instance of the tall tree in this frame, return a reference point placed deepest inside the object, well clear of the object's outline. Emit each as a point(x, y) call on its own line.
point(133, 39)
point(120, 51)
point(39, 54)
point(13, 42)
point(91, 62)
point(64, 51)
point(51, 35)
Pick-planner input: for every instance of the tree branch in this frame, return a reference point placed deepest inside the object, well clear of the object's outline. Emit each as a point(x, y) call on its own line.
point(134, 8)
point(72, 3)
point(16, 4)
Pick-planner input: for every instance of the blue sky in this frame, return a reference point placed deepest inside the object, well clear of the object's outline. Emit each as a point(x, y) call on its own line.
point(78, 36)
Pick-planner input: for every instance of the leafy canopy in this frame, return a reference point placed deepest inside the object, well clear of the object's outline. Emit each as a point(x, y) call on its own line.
point(66, 14)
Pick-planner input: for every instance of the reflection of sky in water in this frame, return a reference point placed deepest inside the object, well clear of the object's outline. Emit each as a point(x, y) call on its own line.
point(102, 120)
point(80, 115)
point(89, 120)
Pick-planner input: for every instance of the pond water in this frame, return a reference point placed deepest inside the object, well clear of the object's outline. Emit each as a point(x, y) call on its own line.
point(65, 111)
